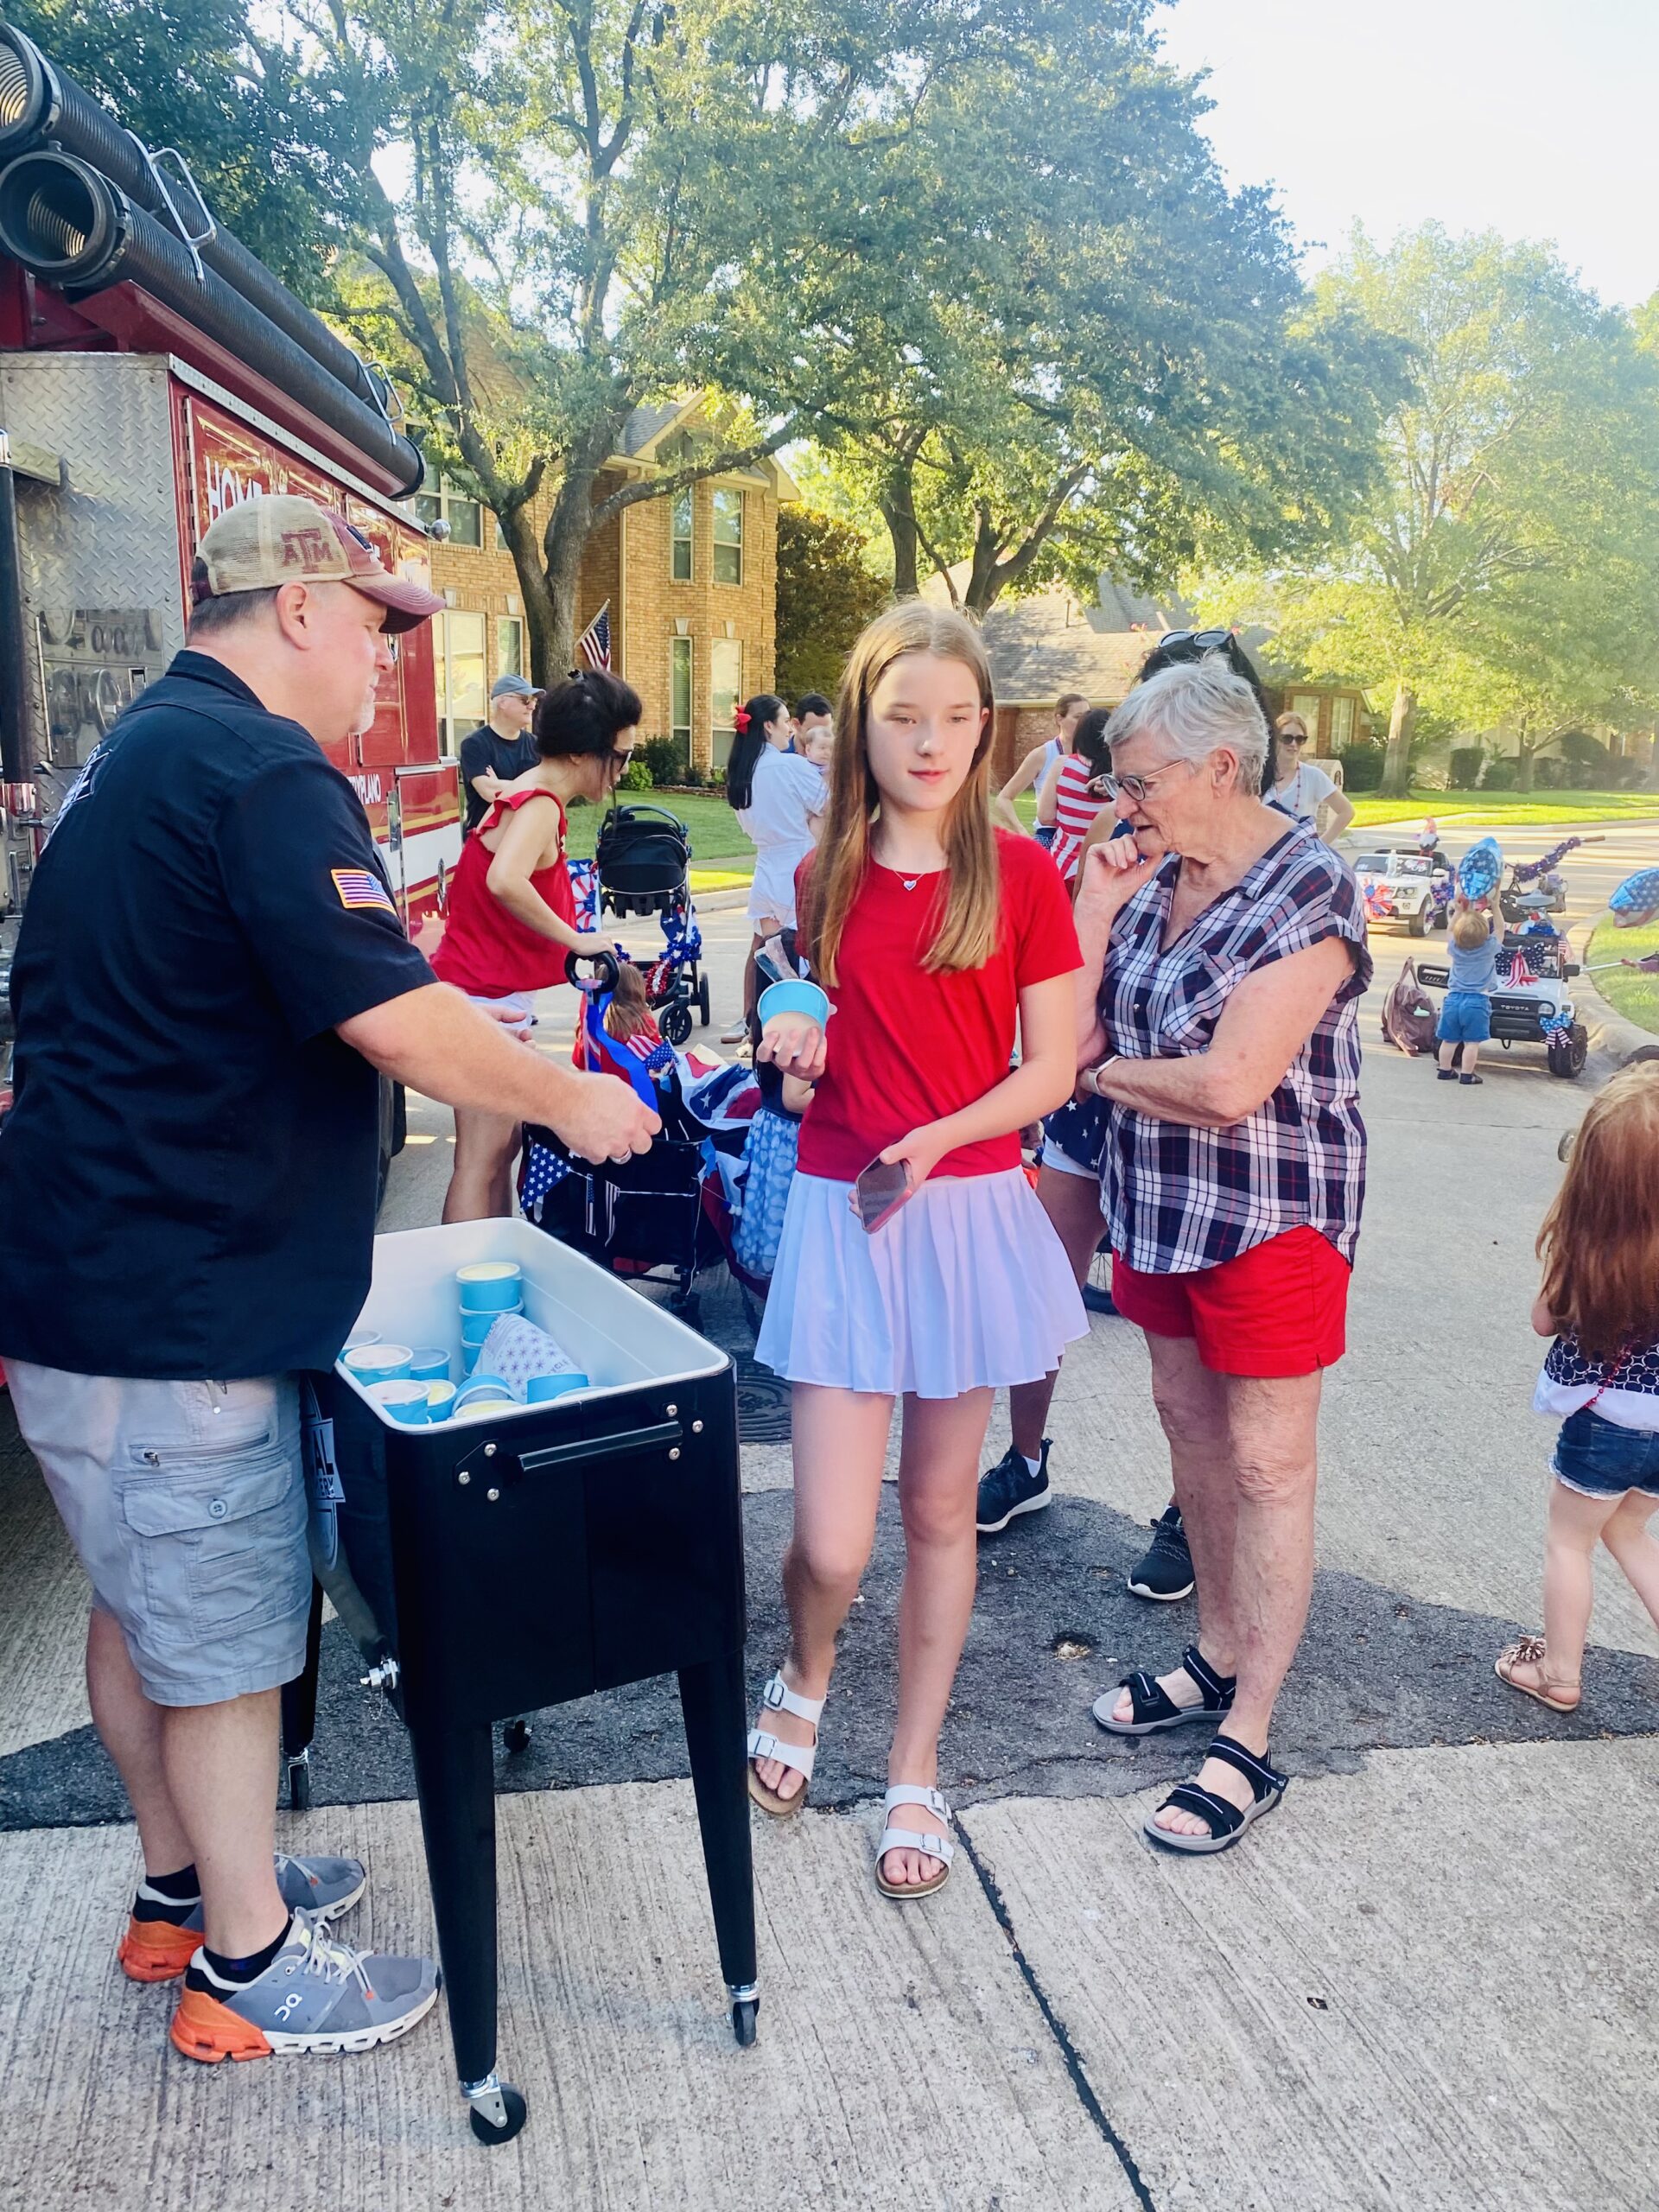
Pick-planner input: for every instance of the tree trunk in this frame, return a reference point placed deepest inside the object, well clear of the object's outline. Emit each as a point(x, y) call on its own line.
point(1525, 757)
point(896, 499)
point(539, 620)
point(1396, 768)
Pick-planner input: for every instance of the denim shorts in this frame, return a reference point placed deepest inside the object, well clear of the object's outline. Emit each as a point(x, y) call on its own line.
point(1465, 1018)
point(1601, 1459)
point(185, 1502)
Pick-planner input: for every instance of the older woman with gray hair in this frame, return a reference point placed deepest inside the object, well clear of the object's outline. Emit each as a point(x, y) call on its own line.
point(1224, 958)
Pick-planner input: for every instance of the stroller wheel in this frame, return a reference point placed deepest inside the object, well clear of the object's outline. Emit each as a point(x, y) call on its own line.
point(703, 1000)
point(675, 1022)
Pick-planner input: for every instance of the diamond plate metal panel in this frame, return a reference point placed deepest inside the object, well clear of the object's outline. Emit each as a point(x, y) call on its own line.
point(100, 551)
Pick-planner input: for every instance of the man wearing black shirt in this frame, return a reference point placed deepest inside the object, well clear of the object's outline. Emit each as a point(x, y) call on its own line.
point(500, 750)
point(210, 971)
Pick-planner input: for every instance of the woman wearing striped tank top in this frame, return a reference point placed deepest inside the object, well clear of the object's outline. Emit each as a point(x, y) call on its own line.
point(1068, 799)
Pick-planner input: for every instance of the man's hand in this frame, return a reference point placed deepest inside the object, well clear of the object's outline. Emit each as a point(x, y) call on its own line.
point(794, 1044)
point(606, 1119)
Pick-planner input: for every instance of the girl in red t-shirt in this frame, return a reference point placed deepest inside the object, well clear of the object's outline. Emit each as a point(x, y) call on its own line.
point(512, 915)
point(937, 939)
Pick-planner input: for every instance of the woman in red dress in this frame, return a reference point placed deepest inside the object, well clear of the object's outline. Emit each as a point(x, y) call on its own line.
point(512, 915)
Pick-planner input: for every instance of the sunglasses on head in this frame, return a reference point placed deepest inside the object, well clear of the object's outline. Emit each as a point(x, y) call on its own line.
point(1198, 641)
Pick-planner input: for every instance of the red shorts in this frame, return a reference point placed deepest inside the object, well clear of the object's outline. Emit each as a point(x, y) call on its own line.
point(1278, 1309)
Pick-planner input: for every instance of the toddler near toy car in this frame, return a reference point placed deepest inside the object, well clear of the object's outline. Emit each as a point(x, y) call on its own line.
point(1601, 1300)
point(1466, 1015)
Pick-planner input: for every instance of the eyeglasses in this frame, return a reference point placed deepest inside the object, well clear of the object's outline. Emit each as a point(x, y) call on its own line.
point(1202, 641)
point(1135, 787)
point(618, 761)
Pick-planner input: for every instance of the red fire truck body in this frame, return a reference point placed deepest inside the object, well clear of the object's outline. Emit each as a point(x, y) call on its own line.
point(130, 432)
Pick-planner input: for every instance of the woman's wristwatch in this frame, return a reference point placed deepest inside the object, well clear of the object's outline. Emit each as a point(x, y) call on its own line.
point(1095, 1072)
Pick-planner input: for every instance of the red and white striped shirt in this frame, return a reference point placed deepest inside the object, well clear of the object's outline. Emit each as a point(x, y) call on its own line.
point(1075, 810)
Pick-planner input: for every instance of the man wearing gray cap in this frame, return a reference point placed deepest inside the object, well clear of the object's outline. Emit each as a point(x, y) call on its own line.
point(500, 750)
point(210, 973)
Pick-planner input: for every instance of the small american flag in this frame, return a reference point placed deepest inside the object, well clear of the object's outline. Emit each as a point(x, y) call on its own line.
point(359, 887)
point(594, 642)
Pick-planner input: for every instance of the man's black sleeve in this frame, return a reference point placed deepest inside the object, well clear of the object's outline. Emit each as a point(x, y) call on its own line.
point(304, 878)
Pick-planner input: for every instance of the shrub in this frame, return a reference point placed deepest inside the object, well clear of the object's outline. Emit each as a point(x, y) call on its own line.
point(663, 760)
point(1463, 769)
point(1362, 768)
point(636, 777)
point(1552, 775)
point(1500, 774)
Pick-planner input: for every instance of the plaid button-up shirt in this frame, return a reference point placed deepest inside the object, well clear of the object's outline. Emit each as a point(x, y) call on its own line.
point(1177, 1198)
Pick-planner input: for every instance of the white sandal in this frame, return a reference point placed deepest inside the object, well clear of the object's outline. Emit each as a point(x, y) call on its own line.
point(938, 1847)
point(777, 1697)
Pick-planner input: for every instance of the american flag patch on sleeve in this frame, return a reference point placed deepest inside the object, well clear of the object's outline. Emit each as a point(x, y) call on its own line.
point(361, 886)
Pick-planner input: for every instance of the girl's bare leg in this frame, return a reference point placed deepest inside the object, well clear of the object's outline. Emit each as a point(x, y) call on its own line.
point(1628, 1537)
point(840, 1448)
point(938, 1480)
point(480, 1183)
point(1574, 1527)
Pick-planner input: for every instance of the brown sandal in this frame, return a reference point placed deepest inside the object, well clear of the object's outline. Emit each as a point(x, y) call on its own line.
point(1529, 1652)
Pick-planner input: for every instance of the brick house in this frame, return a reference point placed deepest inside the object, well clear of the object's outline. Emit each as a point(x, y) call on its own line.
point(1049, 643)
point(691, 582)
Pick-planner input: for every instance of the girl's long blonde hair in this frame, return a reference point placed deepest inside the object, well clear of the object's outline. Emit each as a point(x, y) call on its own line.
point(1599, 1243)
point(967, 920)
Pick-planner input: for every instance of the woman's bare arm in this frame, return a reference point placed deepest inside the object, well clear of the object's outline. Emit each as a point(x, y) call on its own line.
point(1022, 778)
point(1266, 1022)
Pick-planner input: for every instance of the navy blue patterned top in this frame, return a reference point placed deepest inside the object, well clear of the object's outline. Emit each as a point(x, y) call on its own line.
point(1177, 1198)
point(1625, 1390)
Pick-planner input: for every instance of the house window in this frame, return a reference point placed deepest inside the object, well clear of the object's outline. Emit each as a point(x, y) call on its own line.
point(726, 690)
point(458, 652)
point(680, 534)
point(729, 538)
point(509, 646)
point(1308, 705)
point(448, 503)
point(679, 693)
point(1342, 724)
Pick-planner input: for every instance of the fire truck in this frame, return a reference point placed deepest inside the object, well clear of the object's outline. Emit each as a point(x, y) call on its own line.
point(153, 373)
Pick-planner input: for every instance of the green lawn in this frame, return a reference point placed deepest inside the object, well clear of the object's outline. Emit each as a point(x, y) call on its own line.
point(1636, 996)
point(1487, 810)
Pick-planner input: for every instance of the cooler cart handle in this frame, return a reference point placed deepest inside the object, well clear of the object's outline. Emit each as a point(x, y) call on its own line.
point(593, 1447)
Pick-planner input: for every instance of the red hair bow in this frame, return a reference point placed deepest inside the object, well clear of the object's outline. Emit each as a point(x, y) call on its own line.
point(739, 719)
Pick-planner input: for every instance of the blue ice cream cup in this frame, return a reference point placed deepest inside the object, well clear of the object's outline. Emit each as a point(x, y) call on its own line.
point(475, 1327)
point(490, 1285)
point(370, 1363)
point(430, 1364)
point(482, 1390)
point(439, 1401)
point(540, 1387)
point(794, 995)
point(405, 1400)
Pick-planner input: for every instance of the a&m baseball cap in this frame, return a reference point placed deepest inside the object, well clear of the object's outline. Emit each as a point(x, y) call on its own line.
point(278, 539)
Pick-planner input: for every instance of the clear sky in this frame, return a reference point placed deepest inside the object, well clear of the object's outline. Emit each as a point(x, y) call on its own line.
point(1536, 118)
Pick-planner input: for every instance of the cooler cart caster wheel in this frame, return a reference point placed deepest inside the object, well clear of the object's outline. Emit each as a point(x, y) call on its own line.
point(743, 2022)
point(515, 1736)
point(498, 2110)
point(676, 1023)
point(702, 1001)
point(688, 1309)
point(299, 1783)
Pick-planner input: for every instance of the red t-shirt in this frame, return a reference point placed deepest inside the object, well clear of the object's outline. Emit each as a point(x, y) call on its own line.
point(486, 951)
point(906, 1047)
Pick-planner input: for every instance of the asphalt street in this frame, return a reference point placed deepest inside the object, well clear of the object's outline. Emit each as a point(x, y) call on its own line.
point(1426, 1983)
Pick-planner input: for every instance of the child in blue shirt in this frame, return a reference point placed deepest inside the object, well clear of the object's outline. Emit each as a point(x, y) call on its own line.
point(1466, 1015)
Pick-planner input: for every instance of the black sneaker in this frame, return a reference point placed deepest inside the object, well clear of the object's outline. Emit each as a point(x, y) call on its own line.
point(1010, 1488)
point(1166, 1573)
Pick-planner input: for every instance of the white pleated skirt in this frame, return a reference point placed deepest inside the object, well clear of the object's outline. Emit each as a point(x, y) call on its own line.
point(968, 1285)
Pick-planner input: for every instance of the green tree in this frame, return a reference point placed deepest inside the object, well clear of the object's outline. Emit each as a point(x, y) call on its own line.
point(826, 593)
point(1499, 572)
point(566, 210)
point(186, 74)
point(1129, 370)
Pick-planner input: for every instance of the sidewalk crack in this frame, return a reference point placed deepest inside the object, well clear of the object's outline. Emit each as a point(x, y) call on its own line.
point(1069, 2056)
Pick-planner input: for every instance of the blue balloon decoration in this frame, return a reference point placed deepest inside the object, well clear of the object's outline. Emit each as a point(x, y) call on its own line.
point(1479, 869)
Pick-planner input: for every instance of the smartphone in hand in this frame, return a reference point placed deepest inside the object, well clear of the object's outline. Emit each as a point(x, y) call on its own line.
point(880, 1191)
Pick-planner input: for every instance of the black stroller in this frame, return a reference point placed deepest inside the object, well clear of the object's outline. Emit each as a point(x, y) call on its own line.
point(642, 862)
